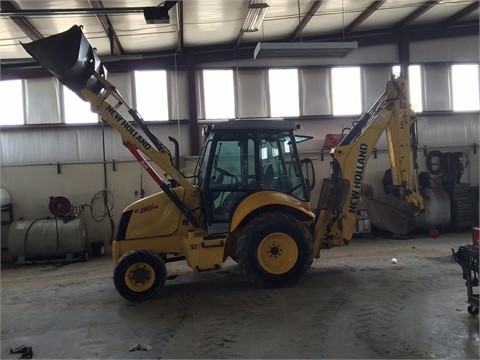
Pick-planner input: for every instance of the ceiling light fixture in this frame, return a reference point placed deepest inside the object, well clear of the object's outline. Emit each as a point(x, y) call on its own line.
point(292, 50)
point(256, 14)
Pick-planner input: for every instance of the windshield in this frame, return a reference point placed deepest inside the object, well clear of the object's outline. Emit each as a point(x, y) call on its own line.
point(280, 165)
point(252, 160)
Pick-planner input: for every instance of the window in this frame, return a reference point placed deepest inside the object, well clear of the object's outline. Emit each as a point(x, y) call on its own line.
point(151, 94)
point(396, 71)
point(219, 94)
point(284, 95)
point(346, 91)
point(11, 102)
point(465, 87)
point(414, 85)
point(76, 110)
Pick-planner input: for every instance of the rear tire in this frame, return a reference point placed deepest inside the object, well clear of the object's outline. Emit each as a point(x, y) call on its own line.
point(274, 250)
point(472, 310)
point(139, 274)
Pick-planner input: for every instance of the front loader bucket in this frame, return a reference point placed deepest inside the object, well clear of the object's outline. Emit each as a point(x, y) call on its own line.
point(70, 58)
point(389, 213)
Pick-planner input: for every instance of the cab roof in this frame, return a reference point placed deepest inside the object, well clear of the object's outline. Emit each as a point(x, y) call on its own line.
point(252, 125)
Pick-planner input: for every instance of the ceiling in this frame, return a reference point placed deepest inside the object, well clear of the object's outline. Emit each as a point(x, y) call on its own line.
point(117, 28)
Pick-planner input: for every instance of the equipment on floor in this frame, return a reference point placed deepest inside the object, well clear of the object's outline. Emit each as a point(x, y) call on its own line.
point(47, 240)
point(467, 258)
point(437, 216)
point(461, 206)
point(59, 206)
point(6, 207)
point(437, 210)
point(61, 238)
point(449, 167)
point(248, 199)
point(4, 197)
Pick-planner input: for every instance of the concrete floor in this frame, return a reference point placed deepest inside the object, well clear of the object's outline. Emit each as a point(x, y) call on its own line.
point(354, 303)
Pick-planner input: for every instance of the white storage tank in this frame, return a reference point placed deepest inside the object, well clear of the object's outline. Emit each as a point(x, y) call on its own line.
point(48, 239)
point(4, 197)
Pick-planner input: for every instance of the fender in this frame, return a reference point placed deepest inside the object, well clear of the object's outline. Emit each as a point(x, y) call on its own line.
point(265, 198)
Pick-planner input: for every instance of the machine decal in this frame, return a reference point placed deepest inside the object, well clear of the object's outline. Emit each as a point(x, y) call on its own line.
point(358, 178)
point(127, 126)
point(148, 208)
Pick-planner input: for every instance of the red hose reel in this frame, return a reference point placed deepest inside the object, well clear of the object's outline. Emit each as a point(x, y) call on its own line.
point(59, 206)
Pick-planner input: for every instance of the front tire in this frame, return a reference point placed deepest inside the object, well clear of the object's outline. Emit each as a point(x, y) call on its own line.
point(274, 250)
point(139, 275)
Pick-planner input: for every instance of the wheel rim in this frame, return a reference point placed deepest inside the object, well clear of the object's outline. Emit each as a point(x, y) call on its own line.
point(277, 253)
point(139, 277)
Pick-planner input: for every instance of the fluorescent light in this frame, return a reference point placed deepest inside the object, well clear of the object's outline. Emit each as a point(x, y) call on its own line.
point(303, 50)
point(255, 15)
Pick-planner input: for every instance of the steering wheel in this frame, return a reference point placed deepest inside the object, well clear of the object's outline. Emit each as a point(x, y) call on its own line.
point(226, 173)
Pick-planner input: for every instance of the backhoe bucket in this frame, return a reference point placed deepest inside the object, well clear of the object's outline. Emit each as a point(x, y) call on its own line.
point(389, 213)
point(70, 58)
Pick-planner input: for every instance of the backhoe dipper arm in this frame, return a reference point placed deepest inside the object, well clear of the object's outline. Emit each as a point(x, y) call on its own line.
point(337, 211)
point(71, 59)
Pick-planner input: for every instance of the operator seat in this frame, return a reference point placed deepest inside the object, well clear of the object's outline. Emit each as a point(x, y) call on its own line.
point(267, 177)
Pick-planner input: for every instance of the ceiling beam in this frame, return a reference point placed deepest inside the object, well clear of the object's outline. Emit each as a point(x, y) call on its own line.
point(427, 5)
point(14, 12)
point(115, 44)
point(461, 14)
point(239, 38)
point(25, 25)
point(363, 16)
point(180, 26)
point(27, 68)
point(310, 13)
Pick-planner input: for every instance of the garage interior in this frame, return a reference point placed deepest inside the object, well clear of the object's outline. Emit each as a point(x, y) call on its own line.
point(72, 195)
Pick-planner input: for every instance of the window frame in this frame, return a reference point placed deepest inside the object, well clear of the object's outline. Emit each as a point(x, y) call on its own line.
point(295, 110)
point(78, 102)
point(336, 92)
point(207, 92)
point(22, 114)
point(453, 87)
point(164, 95)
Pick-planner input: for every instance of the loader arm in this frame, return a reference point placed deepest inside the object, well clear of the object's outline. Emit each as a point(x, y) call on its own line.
point(337, 210)
point(71, 59)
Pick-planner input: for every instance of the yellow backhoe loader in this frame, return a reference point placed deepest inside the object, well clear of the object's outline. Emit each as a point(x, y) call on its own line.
point(249, 199)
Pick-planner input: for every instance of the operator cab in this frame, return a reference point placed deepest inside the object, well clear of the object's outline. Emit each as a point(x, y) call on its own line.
point(243, 157)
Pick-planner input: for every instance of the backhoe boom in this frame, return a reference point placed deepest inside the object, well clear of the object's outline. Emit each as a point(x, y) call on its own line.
point(337, 211)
